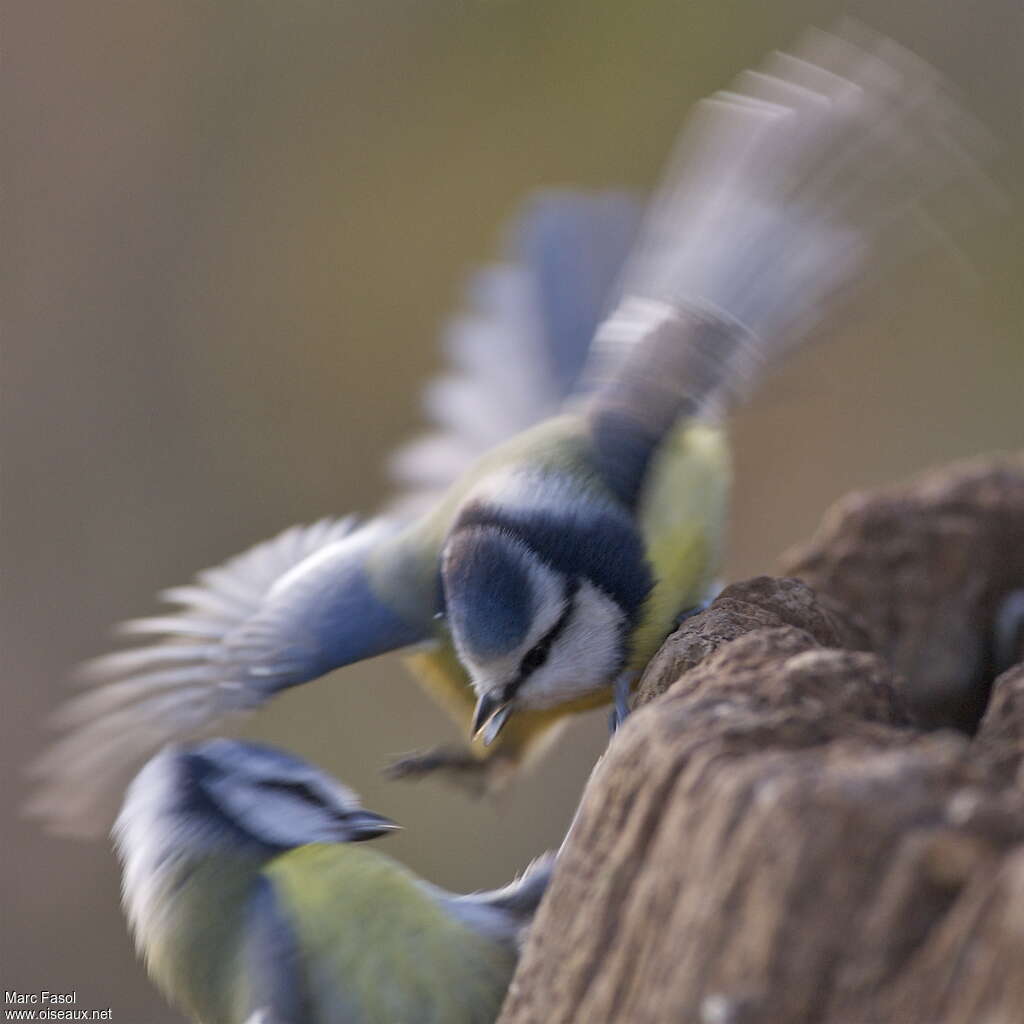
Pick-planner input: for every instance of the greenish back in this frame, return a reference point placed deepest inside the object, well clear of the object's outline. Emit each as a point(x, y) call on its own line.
point(377, 948)
point(196, 956)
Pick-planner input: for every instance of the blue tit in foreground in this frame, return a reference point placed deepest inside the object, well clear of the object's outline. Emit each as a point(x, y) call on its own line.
point(572, 503)
point(251, 905)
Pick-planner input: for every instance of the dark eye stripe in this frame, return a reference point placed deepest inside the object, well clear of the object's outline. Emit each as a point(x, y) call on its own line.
point(299, 790)
point(535, 657)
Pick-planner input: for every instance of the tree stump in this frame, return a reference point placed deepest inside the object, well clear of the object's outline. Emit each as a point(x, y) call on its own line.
point(789, 828)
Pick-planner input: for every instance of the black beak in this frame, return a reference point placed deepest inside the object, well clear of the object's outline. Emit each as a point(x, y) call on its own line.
point(362, 825)
point(490, 716)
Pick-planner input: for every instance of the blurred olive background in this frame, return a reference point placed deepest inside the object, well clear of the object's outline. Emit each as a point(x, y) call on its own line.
point(233, 229)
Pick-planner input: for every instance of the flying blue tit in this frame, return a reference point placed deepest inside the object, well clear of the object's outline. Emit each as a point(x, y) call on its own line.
point(572, 502)
point(250, 904)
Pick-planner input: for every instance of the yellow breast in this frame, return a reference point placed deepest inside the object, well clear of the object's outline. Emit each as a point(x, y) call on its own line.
point(682, 519)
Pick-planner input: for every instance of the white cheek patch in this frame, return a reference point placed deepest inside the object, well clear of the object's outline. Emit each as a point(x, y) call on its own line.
point(587, 655)
point(548, 598)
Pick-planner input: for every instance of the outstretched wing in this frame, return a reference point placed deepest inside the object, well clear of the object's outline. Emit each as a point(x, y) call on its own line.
point(786, 192)
point(297, 606)
point(284, 612)
point(517, 350)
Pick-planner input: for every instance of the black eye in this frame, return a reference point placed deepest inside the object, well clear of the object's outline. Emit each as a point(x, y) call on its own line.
point(538, 654)
point(534, 658)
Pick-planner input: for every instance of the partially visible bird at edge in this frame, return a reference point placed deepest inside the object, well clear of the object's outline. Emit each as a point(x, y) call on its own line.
point(251, 904)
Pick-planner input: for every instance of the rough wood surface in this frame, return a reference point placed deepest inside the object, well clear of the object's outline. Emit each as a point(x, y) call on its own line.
point(925, 567)
point(774, 837)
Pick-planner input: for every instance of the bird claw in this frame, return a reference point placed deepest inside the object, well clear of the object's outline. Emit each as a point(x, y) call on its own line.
point(621, 690)
point(455, 764)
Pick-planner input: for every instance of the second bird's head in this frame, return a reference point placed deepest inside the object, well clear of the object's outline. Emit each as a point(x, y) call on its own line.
point(540, 608)
point(229, 794)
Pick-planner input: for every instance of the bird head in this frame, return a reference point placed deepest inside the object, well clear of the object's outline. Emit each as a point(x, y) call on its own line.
point(229, 792)
point(530, 632)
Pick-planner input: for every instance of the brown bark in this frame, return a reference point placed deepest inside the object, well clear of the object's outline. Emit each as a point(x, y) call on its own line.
point(774, 835)
point(925, 566)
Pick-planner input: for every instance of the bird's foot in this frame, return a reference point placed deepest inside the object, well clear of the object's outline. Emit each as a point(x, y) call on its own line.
point(621, 690)
point(455, 764)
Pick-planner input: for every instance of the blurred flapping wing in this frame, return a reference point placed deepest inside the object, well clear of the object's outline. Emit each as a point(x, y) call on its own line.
point(787, 192)
point(285, 612)
point(517, 350)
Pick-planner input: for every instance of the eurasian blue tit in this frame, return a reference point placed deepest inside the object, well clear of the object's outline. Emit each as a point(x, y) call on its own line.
point(572, 502)
point(250, 905)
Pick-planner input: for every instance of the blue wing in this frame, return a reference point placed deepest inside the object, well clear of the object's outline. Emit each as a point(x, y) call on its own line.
point(517, 350)
point(574, 246)
point(284, 612)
